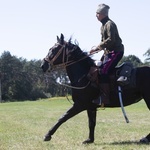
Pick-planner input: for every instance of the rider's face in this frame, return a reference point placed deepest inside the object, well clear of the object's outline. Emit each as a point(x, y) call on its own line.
point(99, 16)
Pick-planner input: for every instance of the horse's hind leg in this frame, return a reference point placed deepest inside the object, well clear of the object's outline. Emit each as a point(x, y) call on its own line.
point(92, 124)
point(146, 97)
point(74, 110)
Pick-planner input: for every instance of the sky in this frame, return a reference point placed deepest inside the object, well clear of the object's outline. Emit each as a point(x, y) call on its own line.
point(28, 28)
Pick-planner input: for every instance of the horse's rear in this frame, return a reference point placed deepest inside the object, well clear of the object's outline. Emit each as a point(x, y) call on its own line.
point(143, 83)
point(137, 89)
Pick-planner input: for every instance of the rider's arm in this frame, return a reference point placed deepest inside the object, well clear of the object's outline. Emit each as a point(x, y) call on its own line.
point(98, 48)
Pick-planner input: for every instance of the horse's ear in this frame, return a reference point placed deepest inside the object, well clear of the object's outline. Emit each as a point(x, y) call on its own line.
point(62, 38)
point(58, 40)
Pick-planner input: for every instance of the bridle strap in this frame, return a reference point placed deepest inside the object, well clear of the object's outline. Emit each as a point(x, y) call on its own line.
point(59, 52)
point(55, 57)
point(65, 53)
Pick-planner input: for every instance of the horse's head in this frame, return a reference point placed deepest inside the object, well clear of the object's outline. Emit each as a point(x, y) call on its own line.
point(53, 55)
point(60, 54)
point(65, 54)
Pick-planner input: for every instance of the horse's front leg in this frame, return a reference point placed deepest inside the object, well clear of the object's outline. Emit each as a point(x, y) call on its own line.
point(74, 110)
point(92, 123)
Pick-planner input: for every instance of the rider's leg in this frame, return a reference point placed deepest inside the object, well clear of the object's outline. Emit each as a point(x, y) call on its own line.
point(104, 90)
point(112, 60)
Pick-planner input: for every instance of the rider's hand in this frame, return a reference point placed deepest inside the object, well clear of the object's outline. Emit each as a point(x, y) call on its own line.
point(92, 51)
point(97, 49)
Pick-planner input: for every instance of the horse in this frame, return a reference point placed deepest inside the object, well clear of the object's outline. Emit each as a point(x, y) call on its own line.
point(77, 64)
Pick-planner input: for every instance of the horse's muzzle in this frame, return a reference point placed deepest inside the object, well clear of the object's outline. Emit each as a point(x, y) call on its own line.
point(44, 65)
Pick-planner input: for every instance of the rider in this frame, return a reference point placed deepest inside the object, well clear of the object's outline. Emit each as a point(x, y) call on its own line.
point(113, 48)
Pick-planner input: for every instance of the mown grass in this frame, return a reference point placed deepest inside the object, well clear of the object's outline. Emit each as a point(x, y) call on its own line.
point(24, 124)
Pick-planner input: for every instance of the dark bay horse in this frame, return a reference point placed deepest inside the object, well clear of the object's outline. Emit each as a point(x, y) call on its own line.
point(77, 64)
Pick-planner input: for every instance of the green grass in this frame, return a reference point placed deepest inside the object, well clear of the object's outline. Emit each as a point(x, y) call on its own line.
point(24, 124)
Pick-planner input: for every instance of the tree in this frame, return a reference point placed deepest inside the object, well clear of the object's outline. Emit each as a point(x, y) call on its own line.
point(147, 54)
point(52, 86)
point(21, 79)
point(133, 59)
point(24, 80)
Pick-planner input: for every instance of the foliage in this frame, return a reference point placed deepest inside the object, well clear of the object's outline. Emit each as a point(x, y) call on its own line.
point(22, 79)
point(133, 59)
point(147, 55)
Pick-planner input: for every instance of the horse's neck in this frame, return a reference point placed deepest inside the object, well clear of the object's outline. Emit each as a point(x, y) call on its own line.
point(76, 72)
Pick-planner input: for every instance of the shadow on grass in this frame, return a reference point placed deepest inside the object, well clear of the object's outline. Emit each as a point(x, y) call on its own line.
point(124, 143)
point(128, 143)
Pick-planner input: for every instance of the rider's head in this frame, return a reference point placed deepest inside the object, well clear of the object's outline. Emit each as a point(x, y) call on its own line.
point(102, 11)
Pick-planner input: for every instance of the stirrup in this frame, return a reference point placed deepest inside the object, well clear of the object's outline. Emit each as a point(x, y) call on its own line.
point(122, 79)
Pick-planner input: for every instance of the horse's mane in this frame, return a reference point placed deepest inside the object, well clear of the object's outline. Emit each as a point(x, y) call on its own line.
point(80, 53)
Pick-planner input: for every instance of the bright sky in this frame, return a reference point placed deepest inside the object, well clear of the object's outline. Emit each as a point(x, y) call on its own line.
point(28, 28)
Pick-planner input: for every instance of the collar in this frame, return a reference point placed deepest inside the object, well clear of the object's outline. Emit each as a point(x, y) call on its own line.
point(104, 20)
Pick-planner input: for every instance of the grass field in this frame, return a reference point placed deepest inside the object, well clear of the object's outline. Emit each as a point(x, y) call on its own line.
point(24, 124)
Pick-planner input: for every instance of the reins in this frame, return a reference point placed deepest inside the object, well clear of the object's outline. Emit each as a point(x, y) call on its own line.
point(66, 64)
point(74, 87)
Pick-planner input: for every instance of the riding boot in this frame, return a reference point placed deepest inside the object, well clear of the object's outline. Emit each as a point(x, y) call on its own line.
point(104, 97)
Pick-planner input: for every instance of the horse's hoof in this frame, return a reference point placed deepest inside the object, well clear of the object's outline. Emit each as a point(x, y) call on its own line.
point(47, 138)
point(144, 141)
point(88, 141)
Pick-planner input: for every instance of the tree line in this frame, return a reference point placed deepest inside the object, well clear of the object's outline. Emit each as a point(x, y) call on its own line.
point(24, 80)
point(21, 79)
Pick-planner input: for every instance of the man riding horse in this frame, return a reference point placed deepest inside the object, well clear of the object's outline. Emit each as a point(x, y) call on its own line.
point(113, 48)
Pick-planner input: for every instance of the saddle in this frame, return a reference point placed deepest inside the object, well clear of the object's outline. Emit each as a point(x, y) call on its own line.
point(125, 69)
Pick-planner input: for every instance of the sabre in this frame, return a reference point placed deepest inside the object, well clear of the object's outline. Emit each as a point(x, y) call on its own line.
point(121, 103)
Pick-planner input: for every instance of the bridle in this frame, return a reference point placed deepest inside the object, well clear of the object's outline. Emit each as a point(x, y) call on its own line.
point(64, 63)
point(65, 52)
